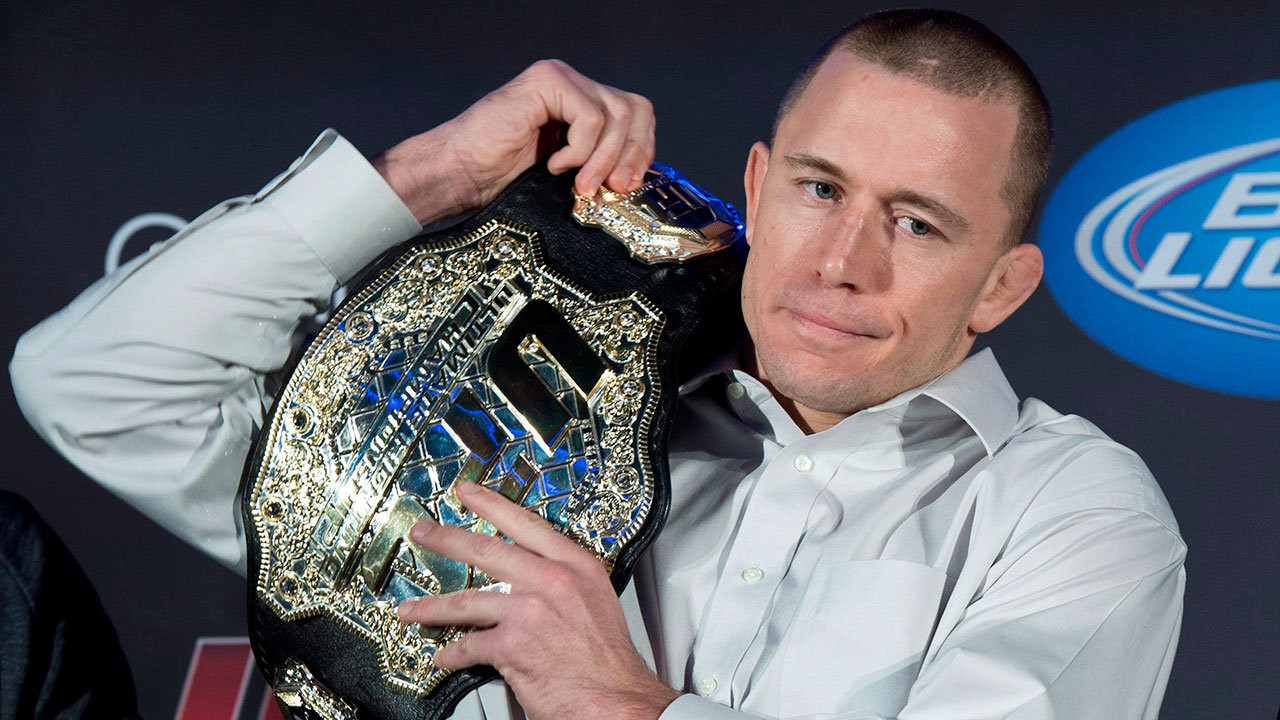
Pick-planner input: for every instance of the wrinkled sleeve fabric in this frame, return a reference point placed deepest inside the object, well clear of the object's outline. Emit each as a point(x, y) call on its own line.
point(152, 380)
point(1098, 642)
point(1077, 618)
point(1079, 615)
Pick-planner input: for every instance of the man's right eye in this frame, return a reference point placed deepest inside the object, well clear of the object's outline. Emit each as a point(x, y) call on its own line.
point(821, 190)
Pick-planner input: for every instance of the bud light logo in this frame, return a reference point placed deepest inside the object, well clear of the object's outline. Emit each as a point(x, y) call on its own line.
point(1163, 242)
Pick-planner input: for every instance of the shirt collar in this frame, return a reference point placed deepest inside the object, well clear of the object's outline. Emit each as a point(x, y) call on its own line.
point(978, 392)
point(975, 390)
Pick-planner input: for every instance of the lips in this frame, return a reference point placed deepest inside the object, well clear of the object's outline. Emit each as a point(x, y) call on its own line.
point(824, 325)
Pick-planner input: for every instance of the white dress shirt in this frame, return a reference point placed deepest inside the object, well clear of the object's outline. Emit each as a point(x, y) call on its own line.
point(950, 553)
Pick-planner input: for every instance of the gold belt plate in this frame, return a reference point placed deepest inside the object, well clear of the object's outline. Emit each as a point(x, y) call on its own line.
point(464, 361)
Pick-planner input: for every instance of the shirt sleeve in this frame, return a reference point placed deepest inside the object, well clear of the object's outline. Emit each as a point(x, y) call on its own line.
point(1077, 618)
point(152, 380)
point(1080, 619)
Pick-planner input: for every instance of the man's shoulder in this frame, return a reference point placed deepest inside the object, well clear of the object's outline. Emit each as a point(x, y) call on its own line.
point(1069, 466)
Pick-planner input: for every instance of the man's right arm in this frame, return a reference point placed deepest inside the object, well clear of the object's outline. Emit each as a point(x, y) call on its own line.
point(152, 381)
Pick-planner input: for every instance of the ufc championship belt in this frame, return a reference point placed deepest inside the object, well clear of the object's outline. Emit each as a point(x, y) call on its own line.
point(535, 349)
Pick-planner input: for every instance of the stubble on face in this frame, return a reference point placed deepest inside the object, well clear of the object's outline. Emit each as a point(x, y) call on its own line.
point(904, 303)
point(837, 395)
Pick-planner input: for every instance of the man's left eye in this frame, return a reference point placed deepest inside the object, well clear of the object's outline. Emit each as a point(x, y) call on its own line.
point(914, 226)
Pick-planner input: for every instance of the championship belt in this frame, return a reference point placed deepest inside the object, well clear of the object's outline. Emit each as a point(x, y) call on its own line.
point(535, 349)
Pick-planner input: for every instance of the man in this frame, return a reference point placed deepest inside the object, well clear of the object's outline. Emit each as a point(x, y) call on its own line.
point(864, 523)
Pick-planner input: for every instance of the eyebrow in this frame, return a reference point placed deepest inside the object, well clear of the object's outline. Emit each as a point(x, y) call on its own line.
point(945, 215)
point(811, 162)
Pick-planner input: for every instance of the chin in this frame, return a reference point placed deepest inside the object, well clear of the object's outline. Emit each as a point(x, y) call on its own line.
point(821, 387)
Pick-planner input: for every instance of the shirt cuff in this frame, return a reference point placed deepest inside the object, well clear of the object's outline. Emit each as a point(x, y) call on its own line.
point(340, 206)
point(692, 707)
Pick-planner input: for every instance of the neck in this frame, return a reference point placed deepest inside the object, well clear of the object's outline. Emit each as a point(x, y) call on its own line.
point(809, 421)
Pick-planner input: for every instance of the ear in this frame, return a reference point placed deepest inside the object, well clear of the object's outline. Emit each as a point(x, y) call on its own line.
point(1011, 281)
point(753, 180)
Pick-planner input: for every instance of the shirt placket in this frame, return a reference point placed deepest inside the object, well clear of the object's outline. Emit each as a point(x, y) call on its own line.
point(773, 522)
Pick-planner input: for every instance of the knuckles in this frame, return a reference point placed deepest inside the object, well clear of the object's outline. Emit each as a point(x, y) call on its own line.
point(486, 548)
point(524, 521)
point(594, 571)
point(464, 602)
point(540, 71)
point(603, 106)
point(620, 108)
point(559, 580)
point(457, 653)
point(549, 67)
point(642, 104)
point(592, 119)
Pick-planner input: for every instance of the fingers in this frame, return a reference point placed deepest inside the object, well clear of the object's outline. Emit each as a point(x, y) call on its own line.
point(538, 550)
point(476, 154)
point(614, 136)
point(529, 531)
point(625, 146)
point(490, 554)
point(637, 153)
point(469, 649)
point(469, 608)
point(611, 132)
point(586, 119)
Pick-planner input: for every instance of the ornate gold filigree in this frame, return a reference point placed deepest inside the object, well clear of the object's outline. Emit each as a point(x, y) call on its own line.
point(666, 219)
point(461, 362)
point(297, 688)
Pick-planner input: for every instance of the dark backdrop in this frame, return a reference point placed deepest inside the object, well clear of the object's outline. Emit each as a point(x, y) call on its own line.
point(111, 110)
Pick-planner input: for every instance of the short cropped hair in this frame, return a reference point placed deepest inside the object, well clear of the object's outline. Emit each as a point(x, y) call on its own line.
point(960, 56)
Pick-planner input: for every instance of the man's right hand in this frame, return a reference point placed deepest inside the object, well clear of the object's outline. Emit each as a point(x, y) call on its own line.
point(464, 163)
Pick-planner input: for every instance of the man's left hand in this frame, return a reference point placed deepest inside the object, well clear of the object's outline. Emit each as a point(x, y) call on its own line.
point(559, 638)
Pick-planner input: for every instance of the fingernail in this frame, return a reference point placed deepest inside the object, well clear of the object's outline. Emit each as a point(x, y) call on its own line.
point(467, 489)
point(405, 608)
point(593, 184)
point(421, 530)
point(439, 662)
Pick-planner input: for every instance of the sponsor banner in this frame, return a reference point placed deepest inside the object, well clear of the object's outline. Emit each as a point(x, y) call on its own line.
point(1163, 241)
point(223, 683)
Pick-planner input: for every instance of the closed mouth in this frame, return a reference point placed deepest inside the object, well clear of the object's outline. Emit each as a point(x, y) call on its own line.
point(834, 328)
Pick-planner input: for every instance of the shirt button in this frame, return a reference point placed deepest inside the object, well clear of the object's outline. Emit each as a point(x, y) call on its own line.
point(803, 463)
point(707, 685)
point(752, 575)
point(736, 390)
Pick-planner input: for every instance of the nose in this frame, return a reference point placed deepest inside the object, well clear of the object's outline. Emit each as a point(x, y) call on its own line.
point(853, 250)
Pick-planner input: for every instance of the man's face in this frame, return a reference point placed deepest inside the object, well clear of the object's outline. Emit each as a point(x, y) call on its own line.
point(876, 229)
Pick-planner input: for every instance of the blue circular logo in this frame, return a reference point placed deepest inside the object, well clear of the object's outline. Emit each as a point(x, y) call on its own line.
point(1163, 242)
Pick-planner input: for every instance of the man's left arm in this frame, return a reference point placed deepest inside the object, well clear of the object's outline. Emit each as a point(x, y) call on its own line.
point(1076, 616)
point(1079, 618)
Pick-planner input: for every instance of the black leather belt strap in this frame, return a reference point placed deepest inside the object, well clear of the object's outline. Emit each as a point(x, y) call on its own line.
point(521, 349)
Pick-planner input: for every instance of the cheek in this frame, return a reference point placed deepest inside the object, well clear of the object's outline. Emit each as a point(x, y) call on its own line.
point(762, 283)
point(939, 310)
point(777, 249)
point(751, 291)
